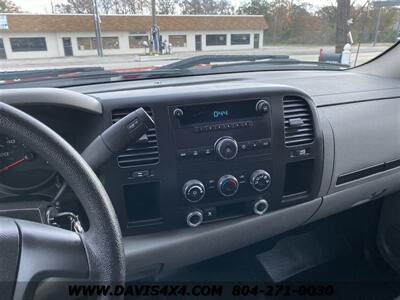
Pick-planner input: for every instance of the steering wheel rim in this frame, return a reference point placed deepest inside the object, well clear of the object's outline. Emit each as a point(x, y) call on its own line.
point(102, 243)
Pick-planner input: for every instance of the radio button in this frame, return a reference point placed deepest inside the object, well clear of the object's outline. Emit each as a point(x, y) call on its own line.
point(242, 178)
point(207, 151)
point(210, 213)
point(211, 184)
point(262, 106)
point(254, 144)
point(265, 143)
point(178, 112)
point(243, 146)
point(182, 154)
point(195, 153)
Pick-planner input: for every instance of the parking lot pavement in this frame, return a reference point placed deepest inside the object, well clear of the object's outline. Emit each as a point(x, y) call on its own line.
point(309, 53)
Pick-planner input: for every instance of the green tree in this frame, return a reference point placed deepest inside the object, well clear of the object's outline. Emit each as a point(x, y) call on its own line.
point(75, 7)
point(166, 7)
point(7, 6)
point(327, 30)
point(389, 25)
point(206, 7)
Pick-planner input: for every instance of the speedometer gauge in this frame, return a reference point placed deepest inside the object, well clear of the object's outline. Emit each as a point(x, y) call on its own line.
point(20, 168)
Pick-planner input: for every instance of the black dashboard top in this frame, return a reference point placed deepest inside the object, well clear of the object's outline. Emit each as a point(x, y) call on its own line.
point(325, 87)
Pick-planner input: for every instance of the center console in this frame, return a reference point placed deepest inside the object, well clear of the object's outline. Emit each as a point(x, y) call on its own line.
point(232, 162)
point(220, 156)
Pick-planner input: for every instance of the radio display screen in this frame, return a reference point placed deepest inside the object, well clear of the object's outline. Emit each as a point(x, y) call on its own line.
point(217, 112)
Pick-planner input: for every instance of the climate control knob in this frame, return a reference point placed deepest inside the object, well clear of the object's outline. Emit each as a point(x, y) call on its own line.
point(193, 190)
point(228, 185)
point(260, 180)
point(226, 148)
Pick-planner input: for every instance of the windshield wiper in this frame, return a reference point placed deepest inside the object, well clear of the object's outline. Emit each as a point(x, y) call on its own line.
point(288, 63)
point(208, 59)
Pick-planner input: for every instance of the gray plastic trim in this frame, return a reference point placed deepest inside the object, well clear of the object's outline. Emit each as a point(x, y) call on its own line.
point(365, 134)
point(51, 96)
point(384, 65)
point(329, 154)
point(181, 247)
point(372, 188)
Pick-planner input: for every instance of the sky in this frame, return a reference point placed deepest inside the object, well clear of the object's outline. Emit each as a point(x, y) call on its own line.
point(44, 6)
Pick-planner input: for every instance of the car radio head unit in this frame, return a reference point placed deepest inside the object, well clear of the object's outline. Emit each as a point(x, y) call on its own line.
point(206, 127)
point(219, 112)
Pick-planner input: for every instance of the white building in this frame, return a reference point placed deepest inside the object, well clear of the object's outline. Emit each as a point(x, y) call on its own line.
point(38, 36)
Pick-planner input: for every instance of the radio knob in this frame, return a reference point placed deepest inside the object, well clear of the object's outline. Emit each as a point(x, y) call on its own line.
point(178, 112)
point(262, 106)
point(226, 148)
point(193, 190)
point(260, 180)
point(228, 185)
point(194, 218)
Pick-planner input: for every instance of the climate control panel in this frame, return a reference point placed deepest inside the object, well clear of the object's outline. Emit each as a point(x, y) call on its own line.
point(226, 186)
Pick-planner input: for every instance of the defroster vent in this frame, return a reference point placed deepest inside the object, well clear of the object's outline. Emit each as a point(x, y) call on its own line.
point(143, 152)
point(299, 128)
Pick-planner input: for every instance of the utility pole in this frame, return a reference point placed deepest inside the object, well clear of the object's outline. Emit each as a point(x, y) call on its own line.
point(97, 29)
point(52, 7)
point(377, 25)
point(342, 27)
point(155, 31)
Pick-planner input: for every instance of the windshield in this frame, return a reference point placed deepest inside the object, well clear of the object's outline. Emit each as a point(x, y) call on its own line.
point(76, 41)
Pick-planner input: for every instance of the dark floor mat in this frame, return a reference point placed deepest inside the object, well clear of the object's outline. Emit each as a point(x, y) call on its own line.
point(299, 253)
point(352, 278)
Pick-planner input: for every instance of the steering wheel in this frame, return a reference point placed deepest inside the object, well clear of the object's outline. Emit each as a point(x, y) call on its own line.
point(31, 252)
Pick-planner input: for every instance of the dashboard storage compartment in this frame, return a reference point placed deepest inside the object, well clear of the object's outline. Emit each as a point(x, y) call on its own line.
point(298, 179)
point(142, 201)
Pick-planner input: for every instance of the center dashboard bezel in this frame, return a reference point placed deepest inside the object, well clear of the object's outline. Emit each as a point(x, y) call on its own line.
point(166, 172)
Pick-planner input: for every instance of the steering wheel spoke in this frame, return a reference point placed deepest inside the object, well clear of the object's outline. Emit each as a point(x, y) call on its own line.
point(44, 252)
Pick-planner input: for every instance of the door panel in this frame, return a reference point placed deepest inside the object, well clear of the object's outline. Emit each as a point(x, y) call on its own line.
point(3, 54)
point(67, 47)
point(256, 40)
point(198, 42)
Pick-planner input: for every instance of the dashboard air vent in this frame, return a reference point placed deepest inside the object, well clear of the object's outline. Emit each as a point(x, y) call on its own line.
point(299, 128)
point(145, 151)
